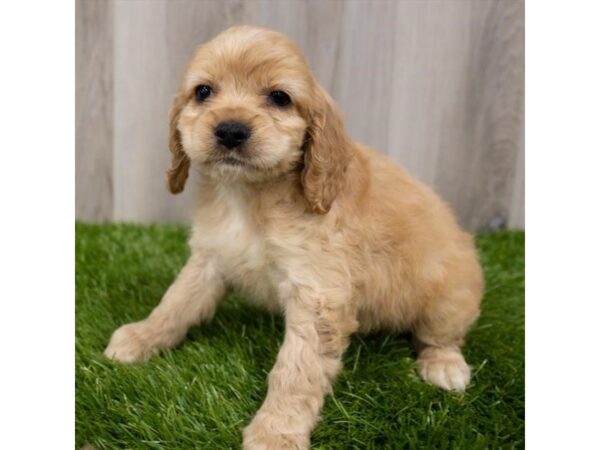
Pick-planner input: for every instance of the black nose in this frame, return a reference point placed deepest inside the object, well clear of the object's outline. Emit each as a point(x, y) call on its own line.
point(232, 134)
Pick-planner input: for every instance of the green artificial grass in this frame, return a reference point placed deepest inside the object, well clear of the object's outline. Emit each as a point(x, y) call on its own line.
point(200, 395)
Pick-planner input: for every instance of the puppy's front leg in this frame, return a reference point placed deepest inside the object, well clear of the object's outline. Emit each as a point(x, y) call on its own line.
point(317, 333)
point(189, 300)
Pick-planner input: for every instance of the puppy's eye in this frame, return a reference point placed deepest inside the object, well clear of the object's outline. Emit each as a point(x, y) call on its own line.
point(203, 92)
point(279, 98)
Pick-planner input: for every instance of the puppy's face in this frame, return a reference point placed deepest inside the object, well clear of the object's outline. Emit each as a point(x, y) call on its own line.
point(249, 109)
point(243, 105)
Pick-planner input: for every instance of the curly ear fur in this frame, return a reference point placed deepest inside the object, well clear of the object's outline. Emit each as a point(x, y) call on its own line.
point(328, 153)
point(180, 162)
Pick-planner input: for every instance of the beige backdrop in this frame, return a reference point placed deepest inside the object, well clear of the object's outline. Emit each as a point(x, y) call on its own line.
point(436, 84)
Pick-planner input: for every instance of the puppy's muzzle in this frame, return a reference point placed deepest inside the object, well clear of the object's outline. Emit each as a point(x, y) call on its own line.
point(232, 134)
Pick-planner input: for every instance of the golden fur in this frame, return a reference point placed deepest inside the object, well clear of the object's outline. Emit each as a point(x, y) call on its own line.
point(332, 234)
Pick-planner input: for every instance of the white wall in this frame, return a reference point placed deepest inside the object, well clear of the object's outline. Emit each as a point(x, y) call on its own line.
point(436, 84)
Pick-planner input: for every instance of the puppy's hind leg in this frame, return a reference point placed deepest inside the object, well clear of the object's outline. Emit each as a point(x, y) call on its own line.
point(440, 334)
point(189, 300)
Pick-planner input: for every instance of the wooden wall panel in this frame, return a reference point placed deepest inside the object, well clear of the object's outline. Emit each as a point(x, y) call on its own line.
point(477, 173)
point(436, 84)
point(143, 91)
point(94, 110)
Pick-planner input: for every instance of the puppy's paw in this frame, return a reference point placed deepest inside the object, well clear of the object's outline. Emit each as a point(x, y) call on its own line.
point(259, 436)
point(445, 368)
point(131, 343)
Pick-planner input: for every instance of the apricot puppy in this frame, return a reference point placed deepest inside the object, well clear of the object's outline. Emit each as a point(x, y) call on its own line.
point(302, 219)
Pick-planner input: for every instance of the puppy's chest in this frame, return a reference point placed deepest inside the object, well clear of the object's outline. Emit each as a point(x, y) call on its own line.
point(244, 253)
point(242, 247)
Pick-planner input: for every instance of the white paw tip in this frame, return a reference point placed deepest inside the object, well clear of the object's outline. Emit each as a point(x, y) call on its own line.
point(448, 373)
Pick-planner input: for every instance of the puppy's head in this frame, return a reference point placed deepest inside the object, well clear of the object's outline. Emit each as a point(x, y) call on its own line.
point(249, 109)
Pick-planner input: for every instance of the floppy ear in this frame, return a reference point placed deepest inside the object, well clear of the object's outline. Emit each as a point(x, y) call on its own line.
point(327, 154)
point(180, 162)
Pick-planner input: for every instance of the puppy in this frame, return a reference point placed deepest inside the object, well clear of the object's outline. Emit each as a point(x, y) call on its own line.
point(291, 211)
